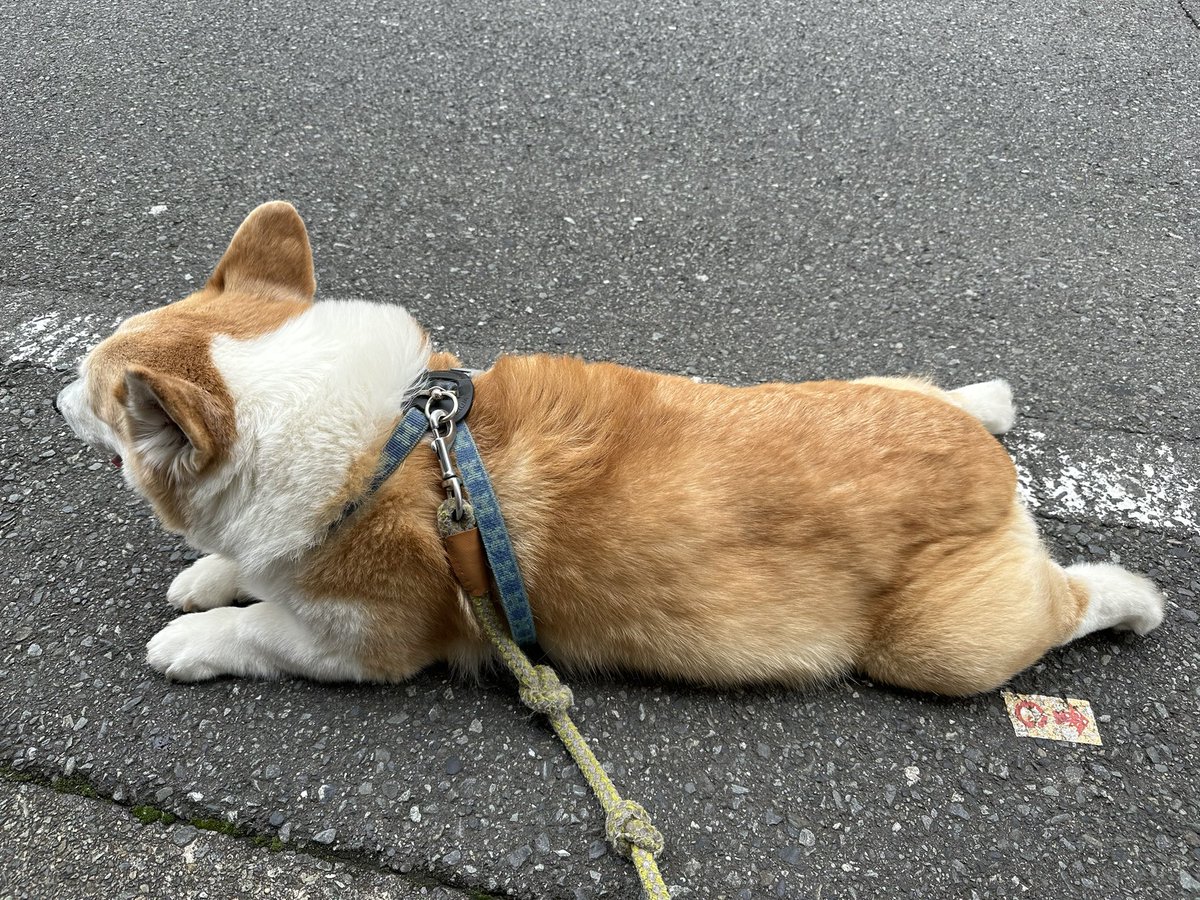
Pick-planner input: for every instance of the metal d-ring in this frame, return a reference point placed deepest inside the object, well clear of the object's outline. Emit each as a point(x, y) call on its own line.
point(436, 394)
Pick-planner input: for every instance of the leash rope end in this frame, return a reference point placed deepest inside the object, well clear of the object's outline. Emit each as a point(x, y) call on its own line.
point(627, 825)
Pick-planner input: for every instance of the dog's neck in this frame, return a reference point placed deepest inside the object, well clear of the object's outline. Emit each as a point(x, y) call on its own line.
point(311, 398)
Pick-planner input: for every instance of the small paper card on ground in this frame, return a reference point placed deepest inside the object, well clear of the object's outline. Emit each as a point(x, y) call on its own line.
point(1052, 718)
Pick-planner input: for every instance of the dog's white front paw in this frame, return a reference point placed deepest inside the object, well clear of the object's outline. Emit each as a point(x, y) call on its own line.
point(206, 584)
point(194, 648)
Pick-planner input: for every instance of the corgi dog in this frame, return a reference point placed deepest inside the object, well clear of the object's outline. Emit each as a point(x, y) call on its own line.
point(784, 533)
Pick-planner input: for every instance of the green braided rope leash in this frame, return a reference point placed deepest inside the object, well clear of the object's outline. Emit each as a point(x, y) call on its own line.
point(627, 824)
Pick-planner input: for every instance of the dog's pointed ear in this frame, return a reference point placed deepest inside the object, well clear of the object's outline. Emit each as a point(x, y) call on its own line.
point(177, 429)
point(270, 250)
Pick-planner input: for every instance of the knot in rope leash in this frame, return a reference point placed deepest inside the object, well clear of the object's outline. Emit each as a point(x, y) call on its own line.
point(627, 824)
point(545, 694)
point(481, 554)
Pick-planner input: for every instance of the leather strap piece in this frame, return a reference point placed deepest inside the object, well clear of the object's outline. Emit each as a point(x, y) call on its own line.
point(468, 561)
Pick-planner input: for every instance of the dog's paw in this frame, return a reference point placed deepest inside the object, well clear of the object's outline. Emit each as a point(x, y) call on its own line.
point(991, 402)
point(1117, 599)
point(206, 584)
point(194, 648)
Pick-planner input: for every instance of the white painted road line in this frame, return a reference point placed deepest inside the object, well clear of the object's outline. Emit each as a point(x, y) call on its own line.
point(53, 339)
point(1133, 481)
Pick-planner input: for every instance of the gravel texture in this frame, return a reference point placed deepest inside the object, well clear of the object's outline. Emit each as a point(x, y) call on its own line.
point(744, 191)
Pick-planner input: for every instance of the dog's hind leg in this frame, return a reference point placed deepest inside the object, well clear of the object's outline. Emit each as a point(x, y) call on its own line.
point(980, 610)
point(1116, 598)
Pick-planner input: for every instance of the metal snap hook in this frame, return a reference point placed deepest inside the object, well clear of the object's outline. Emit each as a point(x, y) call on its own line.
point(437, 419)
point(441, 426)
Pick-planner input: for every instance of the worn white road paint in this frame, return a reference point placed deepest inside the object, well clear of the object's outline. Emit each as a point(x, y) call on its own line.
point(1131, 481)
point(54, 340)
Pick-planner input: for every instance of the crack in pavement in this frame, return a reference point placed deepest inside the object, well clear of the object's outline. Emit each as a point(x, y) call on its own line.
point(79, 785)
point(1187, 12)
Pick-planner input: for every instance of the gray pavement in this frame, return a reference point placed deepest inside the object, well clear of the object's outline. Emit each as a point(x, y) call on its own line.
point(744, 191)
point(58, 844)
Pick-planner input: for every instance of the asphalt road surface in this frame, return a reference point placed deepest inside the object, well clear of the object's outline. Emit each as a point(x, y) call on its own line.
point(743, 191)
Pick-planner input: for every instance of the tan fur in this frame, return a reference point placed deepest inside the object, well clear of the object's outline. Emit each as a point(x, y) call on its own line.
point(725, 535)
point(688, 531)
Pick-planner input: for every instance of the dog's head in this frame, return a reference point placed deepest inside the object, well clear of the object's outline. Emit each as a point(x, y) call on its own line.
point(151, 396)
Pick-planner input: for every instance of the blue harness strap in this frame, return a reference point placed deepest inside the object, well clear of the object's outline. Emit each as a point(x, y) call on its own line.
point(409, 432)
point(402, 441)
point(496, 543)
